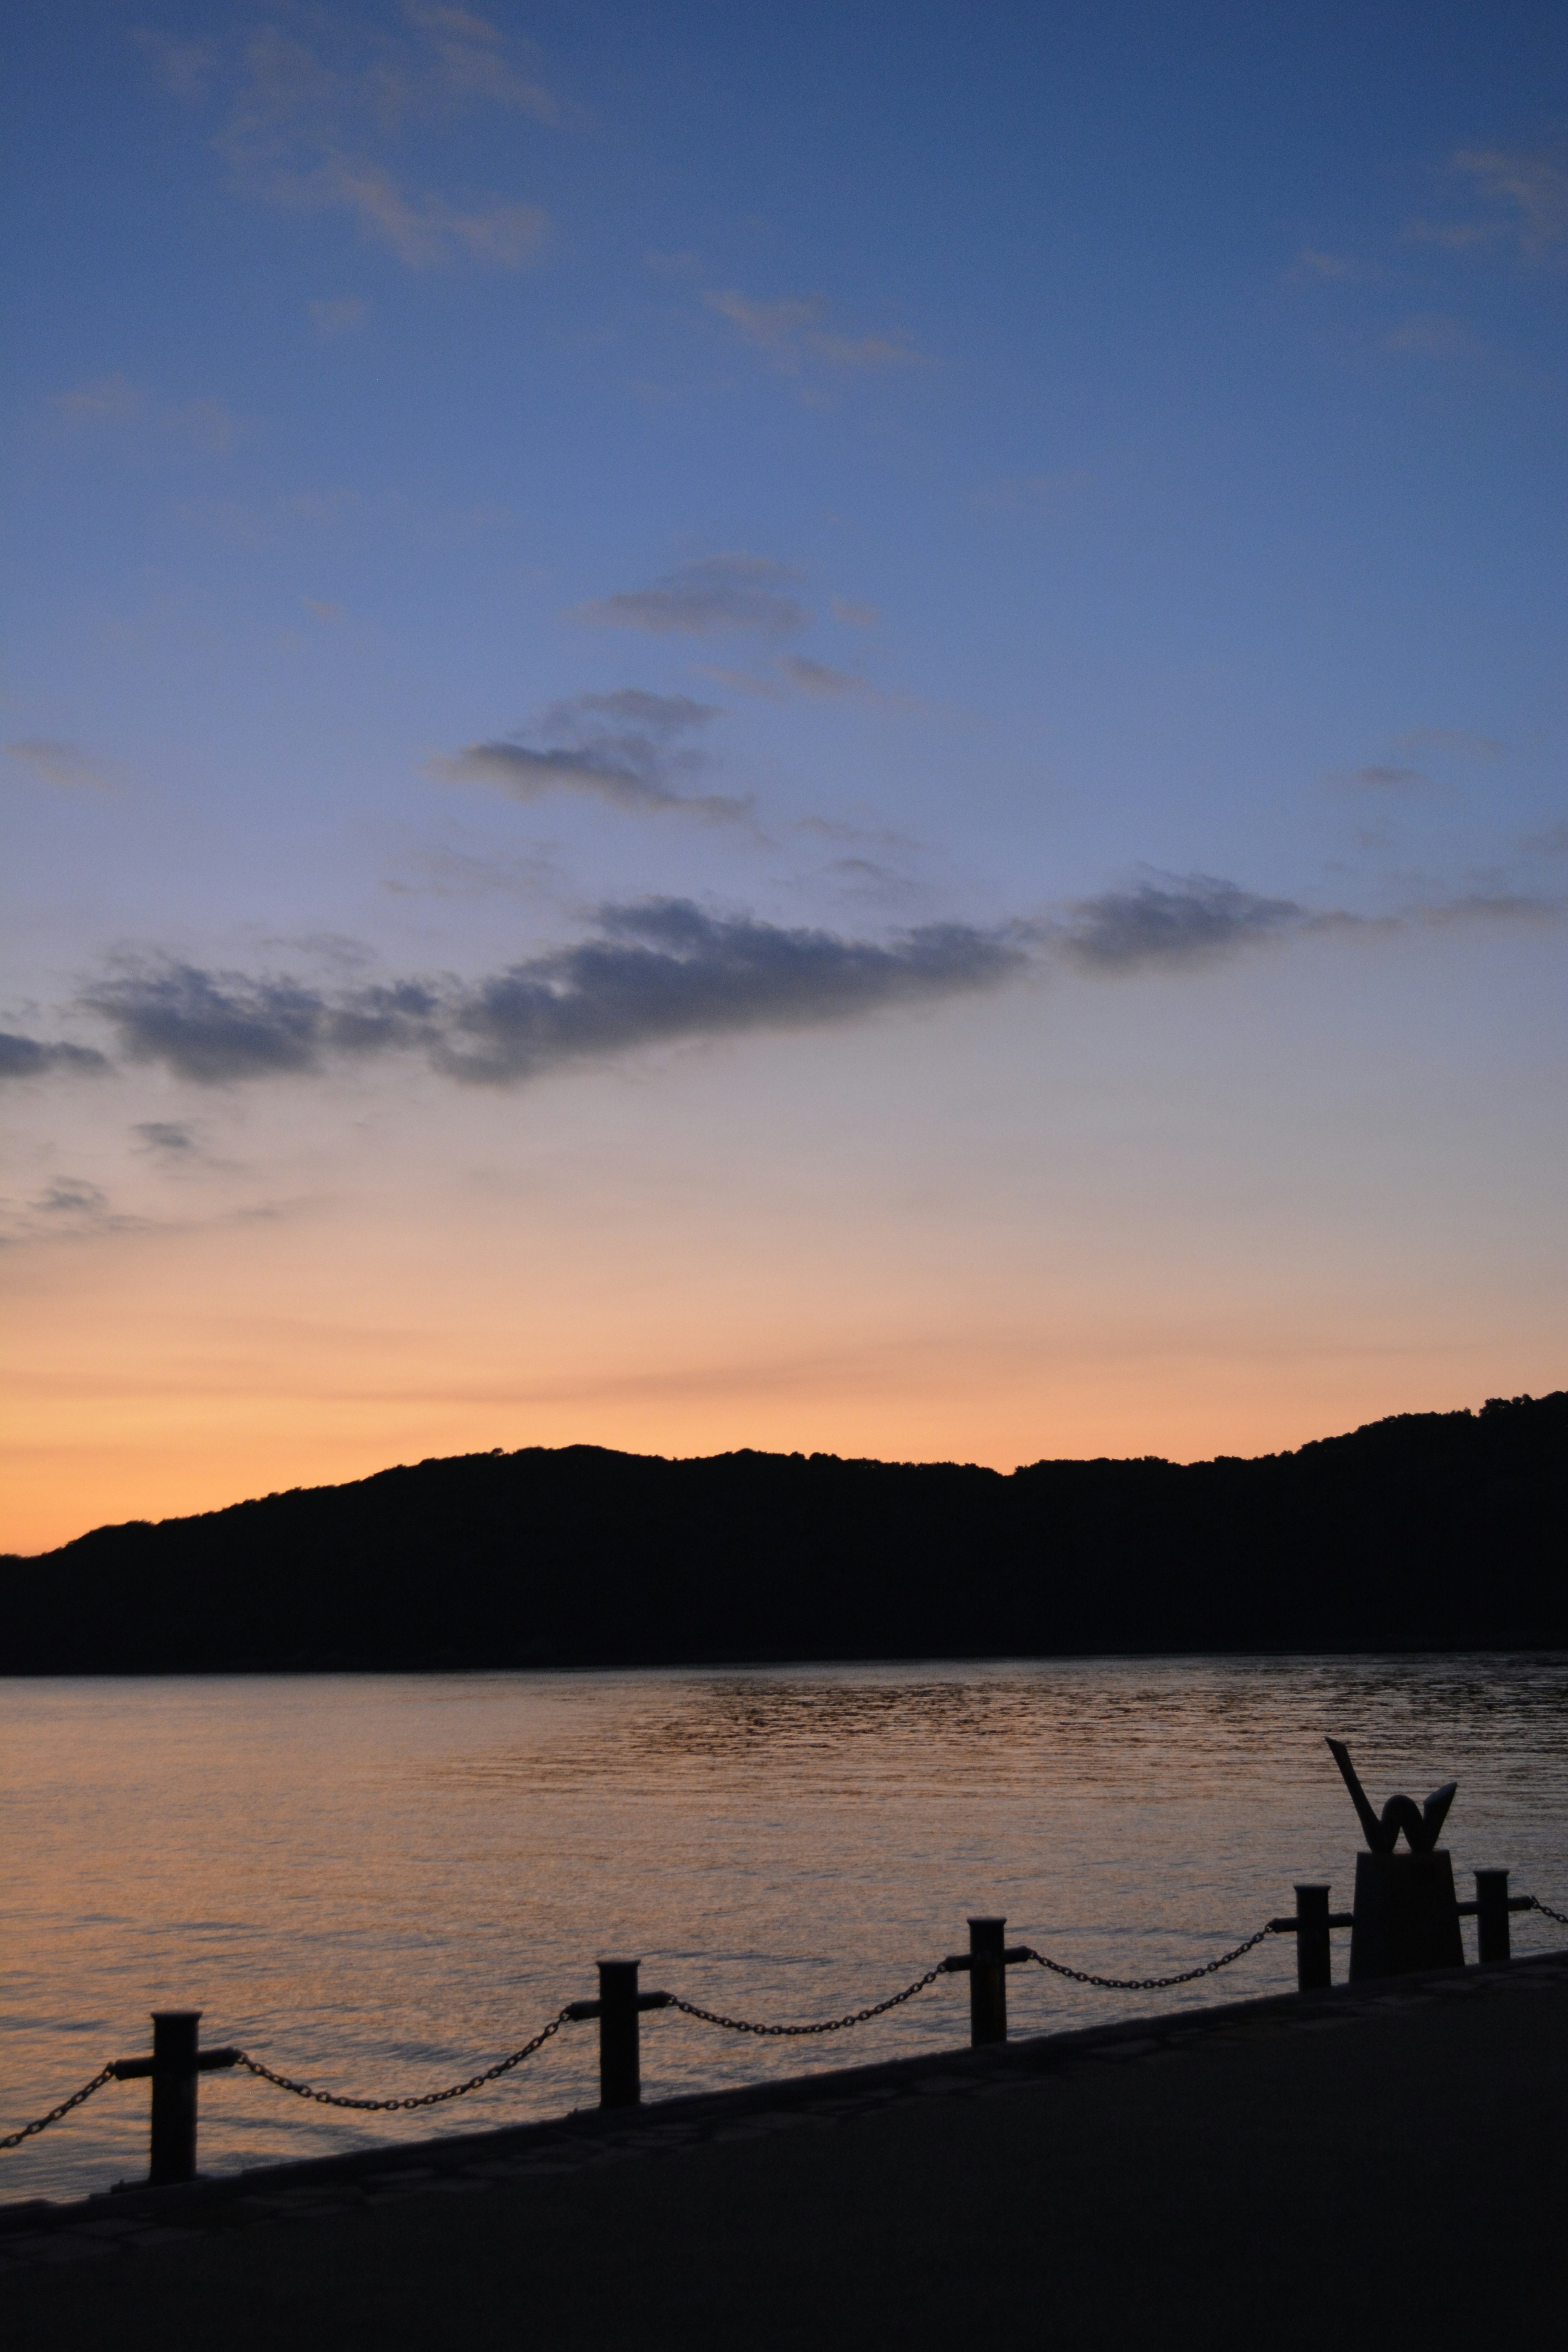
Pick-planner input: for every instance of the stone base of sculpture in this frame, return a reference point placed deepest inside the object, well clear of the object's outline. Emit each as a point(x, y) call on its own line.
point(1406, 1915)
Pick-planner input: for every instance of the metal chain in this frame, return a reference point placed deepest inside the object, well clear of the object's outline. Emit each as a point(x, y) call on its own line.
point(86, 2092)
point(426, 2098)
point(826, 2025)
point(1150, 1984)
point(1537, 1905)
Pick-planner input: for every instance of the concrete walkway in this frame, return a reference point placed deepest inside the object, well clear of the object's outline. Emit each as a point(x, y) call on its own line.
point(1383, 2170)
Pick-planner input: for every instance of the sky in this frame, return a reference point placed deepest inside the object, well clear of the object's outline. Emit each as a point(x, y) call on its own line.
point(815, 727)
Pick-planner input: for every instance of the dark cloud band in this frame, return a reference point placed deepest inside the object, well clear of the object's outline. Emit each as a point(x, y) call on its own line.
point(661, 971)
point(1177, 920)
point(28, 1057)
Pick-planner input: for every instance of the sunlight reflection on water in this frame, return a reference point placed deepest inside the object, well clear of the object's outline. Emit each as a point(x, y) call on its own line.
point(384, 1882)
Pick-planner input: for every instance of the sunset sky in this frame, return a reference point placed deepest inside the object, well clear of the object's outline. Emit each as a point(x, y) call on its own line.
point(827, 726)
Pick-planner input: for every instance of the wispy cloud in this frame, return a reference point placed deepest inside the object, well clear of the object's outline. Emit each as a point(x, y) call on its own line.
point(309, 123)
point(342, 316)
point(715, 593)
point(630, 748)
point(1434, 335)
point(1383, 776)
point(70, 1196)
point(61, 764)
point(173, 1139)
point(1524, 196)
point(794, 332)
point(1490, 907)
point(1550, 842)
point(424, 231)
point(1034, 493)
point(1458, 742)
point(793, 675)
point(186, 67)
point(112, 404)
point(1335, 268)
point(762, 685)
point(853, 615)
point(107, 400)
point(823, 682)
point(661, 971)
point(467, 62)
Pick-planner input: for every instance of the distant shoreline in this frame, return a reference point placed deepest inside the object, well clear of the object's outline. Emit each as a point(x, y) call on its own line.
point(1429, 1534)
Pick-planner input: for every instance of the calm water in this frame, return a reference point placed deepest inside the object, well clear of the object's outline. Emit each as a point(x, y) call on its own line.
point(384, 1882)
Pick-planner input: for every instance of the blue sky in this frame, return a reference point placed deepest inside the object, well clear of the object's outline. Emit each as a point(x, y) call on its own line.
point(589, 583)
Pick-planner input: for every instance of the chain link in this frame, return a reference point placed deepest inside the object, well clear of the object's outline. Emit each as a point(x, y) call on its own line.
point(1537, 1905)
point(825, 2025)
point(15, 2139)
point(1151, 1984)
point(426, 2098)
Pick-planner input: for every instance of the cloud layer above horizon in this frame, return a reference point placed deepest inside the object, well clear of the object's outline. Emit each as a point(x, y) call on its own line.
point(954, 617)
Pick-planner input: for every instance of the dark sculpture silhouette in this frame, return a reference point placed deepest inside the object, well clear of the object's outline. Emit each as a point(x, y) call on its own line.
point(1405, 1916)
point(1421, 1828)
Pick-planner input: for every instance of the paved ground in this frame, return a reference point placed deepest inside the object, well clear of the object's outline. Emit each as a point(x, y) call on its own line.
point(1341, 2172)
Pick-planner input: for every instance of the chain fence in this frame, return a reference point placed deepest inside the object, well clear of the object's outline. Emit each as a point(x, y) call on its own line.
point(1150, 1984)
point(825, 2025)
point(424, 2098)
point(702, 2016)
point(28, 2131)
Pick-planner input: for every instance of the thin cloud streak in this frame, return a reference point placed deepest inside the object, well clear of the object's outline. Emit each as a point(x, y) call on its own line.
point(1527, 194)
point(715, 593)
point(637, 761)
point(823, 682)
point(1186, 921)
point(792, 332)
point(1458, 740)
point(61, 764)
point(112, 405)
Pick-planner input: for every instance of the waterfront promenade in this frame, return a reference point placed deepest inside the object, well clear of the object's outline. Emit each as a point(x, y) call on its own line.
point(1387, 2167)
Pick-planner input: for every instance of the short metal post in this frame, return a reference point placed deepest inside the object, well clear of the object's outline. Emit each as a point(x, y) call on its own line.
point(987, 1982)
point(1491, 1916)
point(1314, 1972)
point(173, 2096)
point(620, 2071)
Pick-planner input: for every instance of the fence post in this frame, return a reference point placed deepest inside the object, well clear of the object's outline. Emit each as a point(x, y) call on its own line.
point(987, 1982)
point(620, 2071)
point(1314, 1971)
point(1492, 1941)
point(173, 2155)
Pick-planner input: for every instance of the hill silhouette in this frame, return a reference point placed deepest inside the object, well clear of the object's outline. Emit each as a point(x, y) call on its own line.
point(1426, 1531)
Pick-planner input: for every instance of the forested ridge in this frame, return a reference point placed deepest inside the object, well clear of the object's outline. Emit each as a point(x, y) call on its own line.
point(1426, 1531)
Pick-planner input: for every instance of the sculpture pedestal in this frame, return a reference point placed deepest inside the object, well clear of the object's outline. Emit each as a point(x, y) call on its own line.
point(1406, 1915)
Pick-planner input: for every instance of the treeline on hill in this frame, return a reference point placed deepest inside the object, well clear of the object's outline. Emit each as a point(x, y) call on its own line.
point(1428, 1531)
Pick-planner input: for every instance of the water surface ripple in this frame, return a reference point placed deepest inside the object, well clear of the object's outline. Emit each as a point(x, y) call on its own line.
point(384, 1882)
